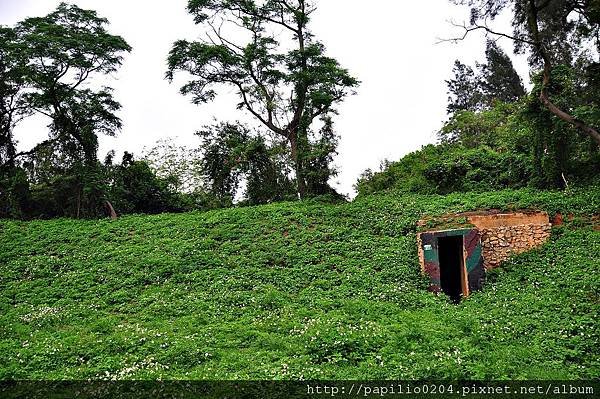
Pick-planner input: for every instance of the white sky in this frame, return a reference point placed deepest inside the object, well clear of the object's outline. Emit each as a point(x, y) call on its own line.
point(389, 45)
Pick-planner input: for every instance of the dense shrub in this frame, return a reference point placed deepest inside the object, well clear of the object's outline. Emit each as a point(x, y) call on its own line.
point(450, 168)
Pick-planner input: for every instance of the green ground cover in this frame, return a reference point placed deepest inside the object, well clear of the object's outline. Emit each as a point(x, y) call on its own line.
point(290, 291)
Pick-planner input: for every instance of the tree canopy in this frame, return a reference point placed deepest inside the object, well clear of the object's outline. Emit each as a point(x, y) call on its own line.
point(495, 80)
point(63, 50)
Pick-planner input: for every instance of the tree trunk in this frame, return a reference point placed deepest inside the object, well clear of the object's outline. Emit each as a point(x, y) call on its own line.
point(299, 169)
point(6, 141)
point(78, 203)
point(582, 126)
point(111, 210)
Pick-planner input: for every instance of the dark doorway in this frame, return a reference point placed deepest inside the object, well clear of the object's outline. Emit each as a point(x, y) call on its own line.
point(451, 265)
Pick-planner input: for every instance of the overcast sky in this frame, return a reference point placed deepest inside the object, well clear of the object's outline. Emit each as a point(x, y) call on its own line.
point(389, 45)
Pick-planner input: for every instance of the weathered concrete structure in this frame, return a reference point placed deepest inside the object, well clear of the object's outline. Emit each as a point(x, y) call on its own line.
point(455, 250)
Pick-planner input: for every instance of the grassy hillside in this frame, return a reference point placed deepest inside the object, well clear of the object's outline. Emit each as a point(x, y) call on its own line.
point(291, 291)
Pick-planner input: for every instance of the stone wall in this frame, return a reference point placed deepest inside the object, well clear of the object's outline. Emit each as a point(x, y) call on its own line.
point(502, 234)
point(499, 243)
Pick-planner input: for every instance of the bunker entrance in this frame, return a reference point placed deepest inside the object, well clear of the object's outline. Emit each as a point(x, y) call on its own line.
point(453, 260)
point(451, 266)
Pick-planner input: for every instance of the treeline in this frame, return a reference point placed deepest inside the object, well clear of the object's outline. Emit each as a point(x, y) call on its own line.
point(498, 135)
point(53, 66)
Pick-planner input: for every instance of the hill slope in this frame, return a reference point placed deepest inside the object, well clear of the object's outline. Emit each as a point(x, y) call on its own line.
point(292, 291)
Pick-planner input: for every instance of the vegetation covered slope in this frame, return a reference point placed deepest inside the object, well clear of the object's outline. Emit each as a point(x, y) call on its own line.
point(293, 290)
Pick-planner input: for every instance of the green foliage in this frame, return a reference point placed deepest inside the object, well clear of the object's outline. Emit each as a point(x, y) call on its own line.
point(500, 126)
point(231, 154)
point(293, 290)
point(51, 188)
point(506, 146)
point(539, 130)
point(266, 177)
point(481, 169)
point(76, 191)
point(136, 189)
point(63, 50)
point(15, 195)
point(495, 81)
point(450, 168)
point(556, 35)
point(558, 148)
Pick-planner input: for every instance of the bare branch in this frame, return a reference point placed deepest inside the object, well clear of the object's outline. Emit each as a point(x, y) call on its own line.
point(264, 121)
point(234, 48)
point(471, 28)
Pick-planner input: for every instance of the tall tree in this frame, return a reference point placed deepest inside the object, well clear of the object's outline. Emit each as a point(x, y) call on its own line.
point(554, 32)
point(495, 80)
point(47, 64)
point(64, 50)
point(464, 90)
point(500, 80)
point(279, 71)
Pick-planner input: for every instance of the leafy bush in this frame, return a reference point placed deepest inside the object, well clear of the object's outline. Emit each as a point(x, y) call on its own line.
point(450, 168)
